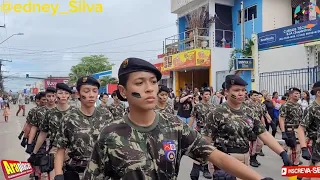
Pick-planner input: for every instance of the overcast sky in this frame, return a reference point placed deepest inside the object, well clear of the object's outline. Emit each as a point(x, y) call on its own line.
point(63, 34)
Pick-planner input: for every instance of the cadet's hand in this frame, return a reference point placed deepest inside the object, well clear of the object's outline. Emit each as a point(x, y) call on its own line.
point(305, 153)
point(29, 148)
point(284, 136)
point(59, 177)
point(267, 178)
point(285, 159)
point(32, 159)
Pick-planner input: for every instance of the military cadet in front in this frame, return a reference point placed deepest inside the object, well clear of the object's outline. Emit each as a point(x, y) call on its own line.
point(78, 131)
point(51, 123)
point(146, 144)
point(291, 114)
point(310, 124)
point(163, 105)
point(232, 125)
point(117, 108)
point(198, 114)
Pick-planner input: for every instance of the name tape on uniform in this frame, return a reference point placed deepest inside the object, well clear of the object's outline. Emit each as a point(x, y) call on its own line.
point(14, 169)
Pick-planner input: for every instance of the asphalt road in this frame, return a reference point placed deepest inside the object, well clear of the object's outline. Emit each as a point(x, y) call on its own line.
point(10, 149)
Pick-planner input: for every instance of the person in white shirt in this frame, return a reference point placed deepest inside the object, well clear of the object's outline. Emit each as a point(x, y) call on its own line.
point(305, 100)
point(21, 104)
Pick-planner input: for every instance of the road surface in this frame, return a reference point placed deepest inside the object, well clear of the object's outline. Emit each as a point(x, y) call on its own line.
point(10, 149)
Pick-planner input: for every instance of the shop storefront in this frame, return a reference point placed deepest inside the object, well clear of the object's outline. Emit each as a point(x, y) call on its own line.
point(166, 79)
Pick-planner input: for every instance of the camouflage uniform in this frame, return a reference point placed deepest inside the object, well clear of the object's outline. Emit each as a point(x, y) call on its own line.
point(292, 114)
point(31, 114)
point(39, 115)
point(230, 129)
point(167, 109)
point(75, 102)
point(130, 152)
point(117, 110)
point(78, 133)
point(311, 123)
point(199, 113)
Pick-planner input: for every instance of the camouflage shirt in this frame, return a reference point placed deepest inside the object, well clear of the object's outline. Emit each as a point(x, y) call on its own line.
point(311, 120)
point(75, 102)
point(31, 114)
point(291, 112)
point(39, 115)
point(230, 127)
point(200, 111)
point(117, 110)
point(130, 152)
point(257, 109)
point(51, 123)
point(167, 109)
point(78, 132)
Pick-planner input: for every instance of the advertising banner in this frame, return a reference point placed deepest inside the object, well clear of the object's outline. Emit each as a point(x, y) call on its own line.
point(291, 35)
point(244, 64)
point(52, 82)
point(15, 169)
point(187, 59)
point(161, 69)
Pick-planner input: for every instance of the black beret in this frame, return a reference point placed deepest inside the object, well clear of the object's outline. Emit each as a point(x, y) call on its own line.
point(254, 92)
point(87, 80)
point(64, 87)
point(224, 85)
point(163, 88)
point(234, 80)
point(41, 94)
point(37, 96)
point(131, 65)
point(294, 89)
point(315, 86)
point(51, 90)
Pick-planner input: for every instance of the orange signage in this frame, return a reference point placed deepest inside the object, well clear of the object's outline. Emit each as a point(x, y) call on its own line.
point(161, 69)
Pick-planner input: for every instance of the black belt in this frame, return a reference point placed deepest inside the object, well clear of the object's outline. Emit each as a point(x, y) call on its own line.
point(238, 150)
point(291, 126)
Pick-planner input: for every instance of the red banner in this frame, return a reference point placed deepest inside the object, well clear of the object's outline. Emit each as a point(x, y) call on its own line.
point(14, 169)
point(111, 88)
point(52, 82)
point(161, 69)
point(35, 90)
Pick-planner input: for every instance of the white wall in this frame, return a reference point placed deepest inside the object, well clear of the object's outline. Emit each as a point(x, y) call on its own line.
point(219, 62)
point(115, 70)
point(276, 14)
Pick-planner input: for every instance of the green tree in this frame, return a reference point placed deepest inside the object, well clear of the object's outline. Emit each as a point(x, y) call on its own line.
point(108, 80)
point(88, 66)
point(246, 52)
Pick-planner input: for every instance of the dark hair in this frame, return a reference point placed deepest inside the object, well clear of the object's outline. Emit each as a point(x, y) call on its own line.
point(114, 94)
point(7, 105)
point(123, 79)
point(274, 93)
point(308, 96)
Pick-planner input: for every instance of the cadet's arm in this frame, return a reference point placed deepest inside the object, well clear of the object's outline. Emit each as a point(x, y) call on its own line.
point(271, 142)
point(58, 161)
point(191, 121)
point(233, 166)
point(302, 136)
point(32, 134)
point(41, 138)
point(281, 123)
point(27, 129)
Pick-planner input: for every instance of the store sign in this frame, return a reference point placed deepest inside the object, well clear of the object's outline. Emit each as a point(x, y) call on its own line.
point(160, 67)
point(187, 59)
point(244, 64)
point(291, 35)
point(52, 82)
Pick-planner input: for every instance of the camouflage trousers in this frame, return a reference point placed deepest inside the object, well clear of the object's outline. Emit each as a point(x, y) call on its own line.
point(244, 158)
point(255, 147)
point(53, 151)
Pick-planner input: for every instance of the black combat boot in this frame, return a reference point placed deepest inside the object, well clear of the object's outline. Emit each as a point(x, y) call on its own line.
point(253, 161)
point(260, 153)
point(206, 172)
point(195, 171)
point(257, 160)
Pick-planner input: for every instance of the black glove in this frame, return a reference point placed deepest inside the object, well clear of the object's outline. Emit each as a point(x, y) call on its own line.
point(30, 148)
point(21, 134)
point(32, 159)
point(267, 178)
point(305, 153)
point(284, 136)
point(59, 177)
point(285, 159)
point(24, 142)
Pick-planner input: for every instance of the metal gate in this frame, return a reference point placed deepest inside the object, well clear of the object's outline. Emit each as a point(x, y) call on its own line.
point(281, 81)
point(220, 78)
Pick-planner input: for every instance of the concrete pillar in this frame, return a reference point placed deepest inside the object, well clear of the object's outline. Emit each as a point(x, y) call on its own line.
point(212, 41)
point(256, 69)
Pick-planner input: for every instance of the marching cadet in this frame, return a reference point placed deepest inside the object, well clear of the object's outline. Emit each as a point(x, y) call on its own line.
point(78, 131)
point(51, 123)
point(41, 100)
point(291, 114)
point(117, 108)
point(199, 113)
point(232, 125)
point(39, 114)
point(104, 100)
point(310, 124)
point(146, 144)
point(163, 105)
point(74, 101)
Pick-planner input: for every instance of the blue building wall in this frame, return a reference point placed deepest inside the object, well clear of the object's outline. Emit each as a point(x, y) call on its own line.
point(182, 28)
point(246, 75)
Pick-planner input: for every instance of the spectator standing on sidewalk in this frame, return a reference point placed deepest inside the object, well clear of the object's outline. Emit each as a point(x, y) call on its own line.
point(22, 104)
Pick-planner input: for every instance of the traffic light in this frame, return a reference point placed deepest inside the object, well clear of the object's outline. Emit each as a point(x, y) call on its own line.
point(27, 75)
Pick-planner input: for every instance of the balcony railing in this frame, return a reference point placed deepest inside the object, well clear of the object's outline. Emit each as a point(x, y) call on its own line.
point(197, 38)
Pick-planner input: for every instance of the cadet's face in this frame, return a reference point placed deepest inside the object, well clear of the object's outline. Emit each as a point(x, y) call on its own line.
point(206, 96)
point(259, 98)
point(163, 96)
point(62, 96)
point(295, 95)
point(88, 95)
point(105, 98)
point(236, 94)
point(43, 101)
point(254, 97)
point(37, 102)
point(51, 98)
point(115, 98)
point(146, 85)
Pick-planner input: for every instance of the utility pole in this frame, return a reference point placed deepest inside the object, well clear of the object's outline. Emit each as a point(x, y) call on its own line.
point(1, 75)
point(242, 25)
